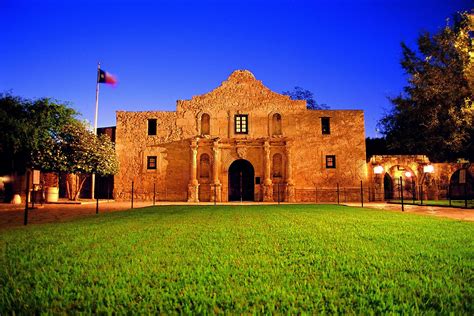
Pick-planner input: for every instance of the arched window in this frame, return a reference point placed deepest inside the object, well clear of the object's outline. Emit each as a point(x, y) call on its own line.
point(276, 124)
point(205, 124)
point(277, 166)
point(204, 166)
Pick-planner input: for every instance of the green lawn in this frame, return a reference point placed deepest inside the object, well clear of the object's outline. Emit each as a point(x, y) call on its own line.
point(240, 259)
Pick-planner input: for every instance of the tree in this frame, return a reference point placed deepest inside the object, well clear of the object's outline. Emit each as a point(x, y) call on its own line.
point(25, 125)
point(45, 134)
point(299, 93)
point(435, 114)
point(78, 152)
point(376, 146)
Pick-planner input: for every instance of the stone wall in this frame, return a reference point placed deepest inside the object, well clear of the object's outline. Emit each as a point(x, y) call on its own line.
point(180, 144)
point(410, 169)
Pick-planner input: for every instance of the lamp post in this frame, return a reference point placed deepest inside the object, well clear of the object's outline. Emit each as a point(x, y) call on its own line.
point(426, 169)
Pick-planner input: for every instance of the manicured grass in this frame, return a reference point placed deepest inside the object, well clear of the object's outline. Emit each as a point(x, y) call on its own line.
point(240, 259)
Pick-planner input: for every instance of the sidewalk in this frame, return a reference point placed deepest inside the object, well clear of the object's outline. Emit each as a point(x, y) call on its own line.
point(13, 215)
point(449, 212)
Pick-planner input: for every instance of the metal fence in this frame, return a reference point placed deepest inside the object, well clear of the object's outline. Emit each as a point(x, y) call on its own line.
point(445, 195)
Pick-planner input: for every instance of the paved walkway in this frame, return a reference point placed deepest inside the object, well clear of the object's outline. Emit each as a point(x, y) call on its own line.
point(13, 215)
point(450, 212)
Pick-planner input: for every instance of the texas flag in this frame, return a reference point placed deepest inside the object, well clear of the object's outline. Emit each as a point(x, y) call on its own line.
point(105, 77)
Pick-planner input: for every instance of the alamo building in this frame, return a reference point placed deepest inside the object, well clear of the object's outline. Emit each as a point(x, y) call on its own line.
point(239, 142)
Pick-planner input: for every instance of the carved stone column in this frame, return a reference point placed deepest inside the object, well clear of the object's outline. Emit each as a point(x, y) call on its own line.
point(290, 186)
point(216, 184)
point(193, 186)
point(267, 180)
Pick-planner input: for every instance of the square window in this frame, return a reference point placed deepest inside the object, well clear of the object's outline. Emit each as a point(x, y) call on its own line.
point(152, 127)
point(151, 162)
point(241, 124)
point(330, 161)
point(325, 125)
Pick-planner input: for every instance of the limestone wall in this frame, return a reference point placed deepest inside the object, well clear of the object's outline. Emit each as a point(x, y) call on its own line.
point(133, 145)
point(346, 141)
point(439, 184)
point(299, 141)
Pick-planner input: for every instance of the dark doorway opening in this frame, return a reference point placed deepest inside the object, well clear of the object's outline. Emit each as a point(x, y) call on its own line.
point(461, 185)
point(388, 187)
point(241, 181)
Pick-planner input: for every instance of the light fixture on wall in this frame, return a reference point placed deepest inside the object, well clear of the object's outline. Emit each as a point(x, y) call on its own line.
point(408, 174)
point(5, 179)
point(428, 169)
point(378, 169)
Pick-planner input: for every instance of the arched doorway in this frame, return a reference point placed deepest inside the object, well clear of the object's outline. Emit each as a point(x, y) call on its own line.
point(461, 185)
point(387, 187)
point(241, 181)
point(398, 178)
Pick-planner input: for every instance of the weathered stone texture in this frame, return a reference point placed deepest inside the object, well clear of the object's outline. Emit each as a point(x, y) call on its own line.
point(418, 184)
point(299, 142)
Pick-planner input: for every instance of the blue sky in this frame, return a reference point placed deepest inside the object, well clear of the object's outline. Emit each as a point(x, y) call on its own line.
point(346, 52)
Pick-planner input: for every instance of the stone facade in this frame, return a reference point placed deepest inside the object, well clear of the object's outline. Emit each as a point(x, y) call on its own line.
point(200, 156)
point(407, 174)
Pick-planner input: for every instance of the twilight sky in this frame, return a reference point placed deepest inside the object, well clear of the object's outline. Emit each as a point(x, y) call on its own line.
point(346, 52)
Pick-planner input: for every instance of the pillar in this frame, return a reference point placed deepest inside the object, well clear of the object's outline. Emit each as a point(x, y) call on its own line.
point(216, 184)
point(378, 187)
point(193, 186)
point(267, 181)
point(290, 186)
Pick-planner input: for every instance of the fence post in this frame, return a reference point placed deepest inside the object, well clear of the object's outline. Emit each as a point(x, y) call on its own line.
point(215, 194)
point(278, 188)
point(449, 193)
point(465, 194)
point(154, 193)
point(25, 221)
point(401, 193)
point(132, 194)
point(361, 194)
point(337, 193)
point(42, 193)
point(421, 193)
point(33, 195)
point(96, 204)
point(413, 192)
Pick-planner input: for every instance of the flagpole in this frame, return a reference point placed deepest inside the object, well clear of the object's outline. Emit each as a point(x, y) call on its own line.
point(96, 99)
point(95, 122)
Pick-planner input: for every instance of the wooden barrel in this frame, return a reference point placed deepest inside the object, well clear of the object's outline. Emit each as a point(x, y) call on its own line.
point(52, 194)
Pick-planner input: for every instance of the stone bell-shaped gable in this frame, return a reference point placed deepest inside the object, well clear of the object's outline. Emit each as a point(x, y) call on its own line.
point(241, 91)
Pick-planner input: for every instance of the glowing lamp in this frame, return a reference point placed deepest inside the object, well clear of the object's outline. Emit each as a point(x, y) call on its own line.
point(5, 179)
point(428, 169)
point(408, 174)
point(378, 169)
